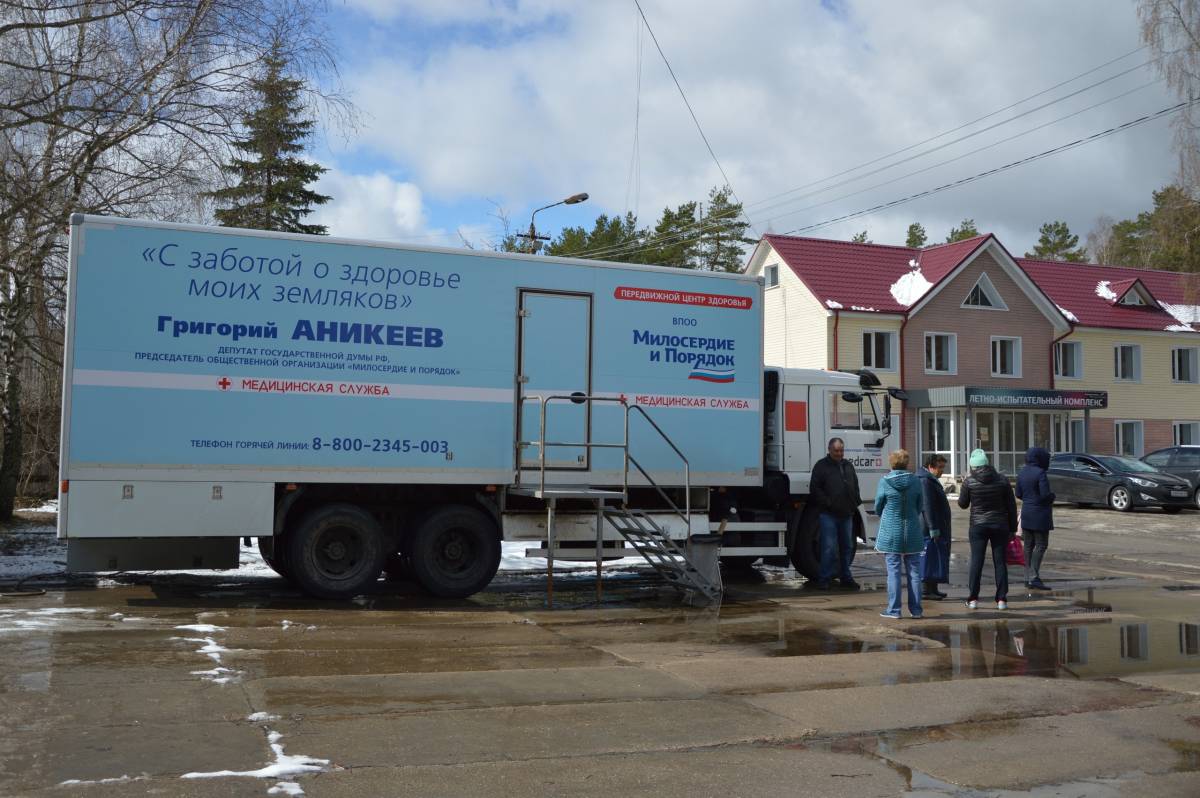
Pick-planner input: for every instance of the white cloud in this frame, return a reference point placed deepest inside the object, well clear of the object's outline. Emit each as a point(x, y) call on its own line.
point(373, 206)
point(787, 93)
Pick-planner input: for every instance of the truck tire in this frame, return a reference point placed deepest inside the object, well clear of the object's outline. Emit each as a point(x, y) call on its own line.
point(805, 552)
point(336, 552)
point(455, 551)
point(274, 556)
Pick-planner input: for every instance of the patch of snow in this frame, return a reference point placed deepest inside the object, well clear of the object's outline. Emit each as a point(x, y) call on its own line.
point(911, 286)
point(201, 627)
point(50, 506)
point(862, 309)
point(1186, 315)
point(286, 788)
point(829, 303)
point(1104, 290)
point(286, 624)
point(284, 765)
point(262, 717)
point(118, 780)
point(1068, 315)
point(60, 611)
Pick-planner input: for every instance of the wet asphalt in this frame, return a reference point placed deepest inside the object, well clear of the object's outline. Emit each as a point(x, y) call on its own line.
point(206, 685)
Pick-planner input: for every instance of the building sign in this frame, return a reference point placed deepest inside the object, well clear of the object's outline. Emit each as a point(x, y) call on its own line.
point(1031, 399)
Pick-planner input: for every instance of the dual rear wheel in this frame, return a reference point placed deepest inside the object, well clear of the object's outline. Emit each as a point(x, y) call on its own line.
point(339, 550)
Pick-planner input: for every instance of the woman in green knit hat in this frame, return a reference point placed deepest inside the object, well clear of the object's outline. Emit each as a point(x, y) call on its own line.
point(993, 523)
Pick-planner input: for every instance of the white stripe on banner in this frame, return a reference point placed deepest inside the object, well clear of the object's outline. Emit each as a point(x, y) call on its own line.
point(221, 384)
point(375, 390)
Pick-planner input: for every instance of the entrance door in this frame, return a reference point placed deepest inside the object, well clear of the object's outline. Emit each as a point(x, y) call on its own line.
point(555, 359)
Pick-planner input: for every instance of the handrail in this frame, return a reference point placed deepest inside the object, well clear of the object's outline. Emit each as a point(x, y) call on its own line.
point(685, 515)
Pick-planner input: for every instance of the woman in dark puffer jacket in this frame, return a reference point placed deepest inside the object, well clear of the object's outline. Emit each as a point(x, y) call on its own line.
point(1037, 513)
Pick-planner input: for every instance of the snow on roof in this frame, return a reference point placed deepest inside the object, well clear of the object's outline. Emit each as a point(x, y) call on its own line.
point(1068, 315)
point(1104, 291)
point(829, 303)
point(910, 287)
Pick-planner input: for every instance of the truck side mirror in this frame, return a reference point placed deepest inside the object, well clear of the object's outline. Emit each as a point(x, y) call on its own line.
point(886, 421)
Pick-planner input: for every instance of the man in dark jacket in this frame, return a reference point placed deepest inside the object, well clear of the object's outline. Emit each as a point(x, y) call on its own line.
point(834, 491)
point(993, 523)
point(935, 523)
point(1037, 513)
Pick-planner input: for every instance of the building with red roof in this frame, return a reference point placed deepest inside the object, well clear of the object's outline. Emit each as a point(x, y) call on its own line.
point(994, 352)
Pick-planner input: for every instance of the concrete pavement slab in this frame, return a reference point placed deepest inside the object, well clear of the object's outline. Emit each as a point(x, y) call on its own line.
point(421, 692)
point(473, 735)
point(1055, 749)
point(1178, 682)
point(743, 772)
point(899, 706)
point(300, 661)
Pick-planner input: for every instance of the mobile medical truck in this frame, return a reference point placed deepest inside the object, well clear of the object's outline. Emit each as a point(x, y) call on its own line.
point(360, 407)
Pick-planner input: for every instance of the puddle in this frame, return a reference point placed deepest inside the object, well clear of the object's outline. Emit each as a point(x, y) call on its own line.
point(1096, 648)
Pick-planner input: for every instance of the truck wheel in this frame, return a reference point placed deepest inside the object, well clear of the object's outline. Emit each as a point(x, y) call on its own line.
point(274, 556)
point(455, 551)
point(336, 552)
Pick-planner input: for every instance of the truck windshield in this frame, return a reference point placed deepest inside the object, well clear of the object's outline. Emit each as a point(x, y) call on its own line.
point(870, 413)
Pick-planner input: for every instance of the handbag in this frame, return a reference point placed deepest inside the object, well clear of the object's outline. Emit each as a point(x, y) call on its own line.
point(935, 566)
point(1015, 553)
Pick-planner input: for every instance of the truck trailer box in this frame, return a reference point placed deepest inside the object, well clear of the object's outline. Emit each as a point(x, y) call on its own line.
point(207, 367)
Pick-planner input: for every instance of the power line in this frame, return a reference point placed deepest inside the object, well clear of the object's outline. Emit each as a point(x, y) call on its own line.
point(716, 160)
point(634, 181)
point(761, 204)
point(639, 246)
point(1011, 165)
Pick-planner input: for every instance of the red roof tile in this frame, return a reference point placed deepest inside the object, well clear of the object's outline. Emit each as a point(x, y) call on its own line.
point(1073, 287)
point(860, 276)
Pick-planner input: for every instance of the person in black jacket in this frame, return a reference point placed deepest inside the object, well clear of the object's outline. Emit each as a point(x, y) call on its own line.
point(935, 523)
point(833, 489)
point(993, 522)
point(1037, 513)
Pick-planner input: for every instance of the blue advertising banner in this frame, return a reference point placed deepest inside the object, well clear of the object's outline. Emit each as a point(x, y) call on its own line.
point(207, 347)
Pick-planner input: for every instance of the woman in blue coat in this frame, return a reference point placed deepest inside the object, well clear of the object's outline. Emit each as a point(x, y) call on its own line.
point(898, 503)
point(1037, 513)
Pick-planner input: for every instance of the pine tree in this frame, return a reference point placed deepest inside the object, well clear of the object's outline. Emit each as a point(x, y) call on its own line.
point(724, 241)
point(966, 229)
point(916, 236)
point(608, 233)
point(1057, 243)
point(272, 182)
point(860, 238)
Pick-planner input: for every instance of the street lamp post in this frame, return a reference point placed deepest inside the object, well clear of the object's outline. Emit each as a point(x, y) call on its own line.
point(532, 235)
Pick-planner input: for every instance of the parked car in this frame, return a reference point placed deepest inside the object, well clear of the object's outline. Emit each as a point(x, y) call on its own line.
point(1182, 461)
point(1122, 483)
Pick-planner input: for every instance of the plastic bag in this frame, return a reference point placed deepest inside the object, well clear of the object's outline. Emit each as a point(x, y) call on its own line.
point(1015, 553)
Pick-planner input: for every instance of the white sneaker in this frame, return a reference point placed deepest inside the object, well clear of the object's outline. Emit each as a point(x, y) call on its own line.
point(971, 605)
point(1001, 605)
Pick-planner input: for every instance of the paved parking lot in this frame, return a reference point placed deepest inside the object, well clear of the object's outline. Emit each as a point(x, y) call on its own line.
point(236, 685)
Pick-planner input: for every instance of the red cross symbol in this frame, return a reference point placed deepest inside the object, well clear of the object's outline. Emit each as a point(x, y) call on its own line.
point(624, 399)
point(224, 383)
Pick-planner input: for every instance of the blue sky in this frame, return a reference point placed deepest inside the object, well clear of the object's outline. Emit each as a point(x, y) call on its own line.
point(474, 106)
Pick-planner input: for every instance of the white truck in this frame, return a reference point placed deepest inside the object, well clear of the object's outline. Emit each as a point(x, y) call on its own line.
point(364, 407)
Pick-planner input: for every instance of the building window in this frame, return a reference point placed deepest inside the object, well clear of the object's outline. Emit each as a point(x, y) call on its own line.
point(1189, 639)
point(879, 350)
point(937, 434)
point(941, 353)
point(1006, 357)
point(1068, 360)
point(1132, 297)
point(984, 295)
point(1183, 364)
point(1134, 642)
point(1072, 646)
point(1187, 433)
point(1129, 438)
point(1127, 362)
point(772, 275)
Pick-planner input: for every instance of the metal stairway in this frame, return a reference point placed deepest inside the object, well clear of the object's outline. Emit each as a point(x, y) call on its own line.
point(670, 561)
point(640, 531)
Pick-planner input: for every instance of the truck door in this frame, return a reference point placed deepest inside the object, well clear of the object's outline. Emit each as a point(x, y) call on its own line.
point(555, 346)
point(796, 414)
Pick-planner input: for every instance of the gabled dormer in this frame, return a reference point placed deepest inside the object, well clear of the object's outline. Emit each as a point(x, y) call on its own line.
point(1131, 293)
